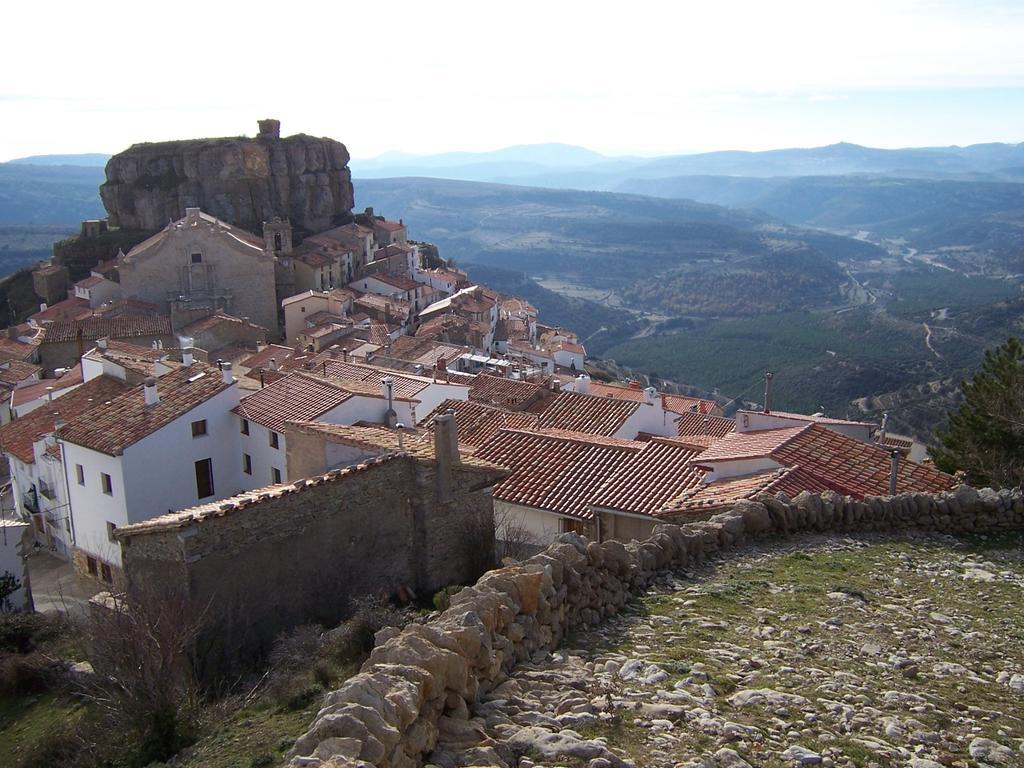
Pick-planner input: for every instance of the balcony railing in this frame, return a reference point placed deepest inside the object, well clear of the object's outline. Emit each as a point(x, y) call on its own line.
point(31, 501)
point(47, 490)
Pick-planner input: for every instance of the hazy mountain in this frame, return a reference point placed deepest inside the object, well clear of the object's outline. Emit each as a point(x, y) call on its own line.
point(565, 166)
point(92, 159)
point(49, 194)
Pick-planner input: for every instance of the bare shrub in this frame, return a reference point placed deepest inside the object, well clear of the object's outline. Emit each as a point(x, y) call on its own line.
point(140, 645)
point(514, 540)
point(352, 640)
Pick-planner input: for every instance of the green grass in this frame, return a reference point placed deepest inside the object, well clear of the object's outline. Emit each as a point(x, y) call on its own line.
point(27, 720)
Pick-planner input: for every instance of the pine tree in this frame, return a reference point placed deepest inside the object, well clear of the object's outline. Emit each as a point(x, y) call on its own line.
point(985, 437)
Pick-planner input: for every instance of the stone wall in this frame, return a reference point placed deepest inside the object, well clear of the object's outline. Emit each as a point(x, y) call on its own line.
point(427, 677)
point(299, 553)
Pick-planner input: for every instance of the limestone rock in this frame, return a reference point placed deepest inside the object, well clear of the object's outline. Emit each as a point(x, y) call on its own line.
point(242, 181)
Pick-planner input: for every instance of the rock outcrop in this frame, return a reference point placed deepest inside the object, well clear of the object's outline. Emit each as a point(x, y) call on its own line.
point(240, 180)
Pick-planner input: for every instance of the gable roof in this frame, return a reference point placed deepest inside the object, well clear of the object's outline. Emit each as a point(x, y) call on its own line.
point(645, 481)
point(553, 470)
point(295, 397)
point(749, 445)
point(118, 327)
point(476, 423)
point(693, 423)
point(125, 420)
point(17, 436)
point(576, 412)
point(35, 390)
point(507, 393)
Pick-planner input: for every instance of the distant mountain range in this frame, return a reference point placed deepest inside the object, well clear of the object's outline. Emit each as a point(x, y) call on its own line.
point(91, 159)
point(567, 166)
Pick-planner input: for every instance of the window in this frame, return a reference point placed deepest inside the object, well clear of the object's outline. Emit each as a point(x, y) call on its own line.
point(274, 442)
point(197, 258)
point(247, 463)
point(275, 475)
point(80, 474)
point(110, 531)
point(277, 241)
point(245, 426)
point(204, 478)
point(106, 484)
point(199, 428)
point(92, 566)
point(106, 574)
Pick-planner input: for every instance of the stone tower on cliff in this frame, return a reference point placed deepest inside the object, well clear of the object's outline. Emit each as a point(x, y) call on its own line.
point(299, 179)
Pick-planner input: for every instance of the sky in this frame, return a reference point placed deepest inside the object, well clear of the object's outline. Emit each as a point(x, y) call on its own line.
point(642, 78)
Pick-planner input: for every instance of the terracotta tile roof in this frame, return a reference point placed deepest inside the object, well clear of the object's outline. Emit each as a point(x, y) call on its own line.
point(405, 386)
point(73, 308)
point(693, 423)
point(854, 467)
point(704, 499)
point(515, 304)
point(900, 443)
point(295, 397)
point(126, 307)
point(14, 371)
point(27, 394)
point(210, 322)
point(133, 357)
point(569, 346)
point(577, 412)
point(399, 282)
point(390, 226)
point(119, 327)
point(17, 436)
point(555, 471)
point(750, 445)
point(685, 404)
point(12, 349)
point(646, 480)
point(514, 394)
point(477, 423)
point(425, 351)
point(370, 436)
point(314, 257)
point(676, 403)
point(262, 358)
point(116, 424)
point(236, 233)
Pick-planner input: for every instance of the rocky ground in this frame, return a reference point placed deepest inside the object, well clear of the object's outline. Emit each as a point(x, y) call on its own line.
point(867, 651)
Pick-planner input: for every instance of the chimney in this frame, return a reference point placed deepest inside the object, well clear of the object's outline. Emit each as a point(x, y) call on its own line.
point(149, 391)
point(12, 332)
point(885, 422)
point(388, 385)
point(273, 364)
point(186, 356)
point(894, 457)
point(101, 343)
point(768, 375)
point(42, 307)
point(49, 394)
point(446, 451)
point(650, 395)
point(225, 373)
point(583, 384)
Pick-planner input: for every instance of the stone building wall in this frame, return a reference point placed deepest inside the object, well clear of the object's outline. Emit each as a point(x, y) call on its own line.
point(429, 676)
point(299, 553)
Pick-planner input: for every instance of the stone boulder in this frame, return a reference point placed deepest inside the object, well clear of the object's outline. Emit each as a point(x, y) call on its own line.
point(239, 180)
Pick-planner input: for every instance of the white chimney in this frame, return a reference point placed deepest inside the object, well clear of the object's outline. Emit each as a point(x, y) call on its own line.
point(149, 391)
point(225, 373)
point(583, 384)
point(101, 343)
point(273, 363)
point(650, 395)
point(186, 356)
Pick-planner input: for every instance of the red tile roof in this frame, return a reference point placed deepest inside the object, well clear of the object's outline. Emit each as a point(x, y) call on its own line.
point(12, 349)
point(694, 423)
point(68, 309)
point(854, 467)
point(703, 499)
point(514, 394)
point(390, 226)
point(645, 481)
point(555, 471)
point(397, 281)
point(576, 412)
point(216, 319)
point(750, 445)
point(119, 327)
point(17, 436)
point(31, 392)
point(477, 423)
point(116, 424)
point(405, 386)
point(674, 403)
point(295, 397)
point(15, 371)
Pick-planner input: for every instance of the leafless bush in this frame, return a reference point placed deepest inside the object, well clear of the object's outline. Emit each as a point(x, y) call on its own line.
point(140, 645)
point(352, 640)
point(514, 540)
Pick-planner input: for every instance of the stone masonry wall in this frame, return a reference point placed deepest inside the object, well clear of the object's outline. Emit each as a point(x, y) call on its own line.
point(300, 556)
point(421, 679)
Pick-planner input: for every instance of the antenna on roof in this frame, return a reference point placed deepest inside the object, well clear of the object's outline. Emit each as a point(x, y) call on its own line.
point(768, 376)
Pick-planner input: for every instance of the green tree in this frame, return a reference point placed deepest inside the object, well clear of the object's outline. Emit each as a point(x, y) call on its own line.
point(985, 437)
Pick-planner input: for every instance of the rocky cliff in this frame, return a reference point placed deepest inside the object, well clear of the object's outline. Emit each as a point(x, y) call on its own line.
point(240, 180)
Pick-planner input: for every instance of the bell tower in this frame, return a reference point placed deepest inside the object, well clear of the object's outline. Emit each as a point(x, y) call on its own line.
point(277, 236)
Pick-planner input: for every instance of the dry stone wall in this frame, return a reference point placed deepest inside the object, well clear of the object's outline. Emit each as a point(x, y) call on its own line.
point(425, 679)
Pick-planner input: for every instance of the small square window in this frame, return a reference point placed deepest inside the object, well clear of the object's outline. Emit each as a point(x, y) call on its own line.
point(106, 484)
point(110, 531)
point(80, 474)
point(247, 463)
point(92, 566)
point(274, 442)
point(106, 574)
point(199, 428)
point(245, 426)
point(197, 258)
point(275, 475)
